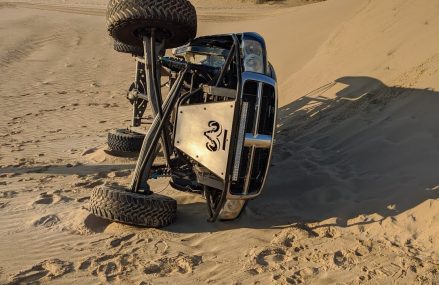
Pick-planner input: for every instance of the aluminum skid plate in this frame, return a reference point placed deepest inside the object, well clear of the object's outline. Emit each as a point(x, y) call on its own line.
point(203, 132)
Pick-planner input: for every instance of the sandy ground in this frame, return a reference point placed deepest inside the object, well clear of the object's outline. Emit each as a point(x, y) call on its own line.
point(353, 192)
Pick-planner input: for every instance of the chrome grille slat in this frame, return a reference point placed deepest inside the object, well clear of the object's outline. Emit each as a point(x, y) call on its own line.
point(255, 132)
point(240, 141)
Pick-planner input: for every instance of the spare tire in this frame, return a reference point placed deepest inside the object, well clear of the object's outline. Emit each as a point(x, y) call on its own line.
point(117, 204)
point(134, 50)
point(175, 21)
point(124, 140)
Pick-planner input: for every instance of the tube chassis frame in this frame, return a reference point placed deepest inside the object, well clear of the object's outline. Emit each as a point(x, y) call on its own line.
point(158, 132)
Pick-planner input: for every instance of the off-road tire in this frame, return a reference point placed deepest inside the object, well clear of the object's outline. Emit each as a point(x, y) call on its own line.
point(175, 21)
point(125, 141)
point(134, 50)
point(152, 211)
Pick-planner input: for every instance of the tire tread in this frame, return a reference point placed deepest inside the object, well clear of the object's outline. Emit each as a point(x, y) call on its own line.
point(178, 17)
point(121, 141)
point(154, 211)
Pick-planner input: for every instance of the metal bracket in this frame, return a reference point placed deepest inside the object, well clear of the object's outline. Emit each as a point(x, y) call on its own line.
point(219, 91)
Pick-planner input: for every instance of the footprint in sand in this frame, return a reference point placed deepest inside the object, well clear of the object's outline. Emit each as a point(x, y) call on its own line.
point(268, 259)
point(47, 221)
point(284, 238)
point(182, 264)
point(362, 251)
point(339, 258)
point(44, 271)
point(47, 199)
point(328, 232)
point(118, 241)
point(110, 267)
point(84, 265)
point(44, 199)
point(299, 276)
point(288, 236)
point(161, 247)
point(3, 205)
point(8, 194)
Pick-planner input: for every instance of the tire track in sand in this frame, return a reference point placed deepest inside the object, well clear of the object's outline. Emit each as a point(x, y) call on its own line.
point(204, 15)
point(24, 50)
point(58, 8)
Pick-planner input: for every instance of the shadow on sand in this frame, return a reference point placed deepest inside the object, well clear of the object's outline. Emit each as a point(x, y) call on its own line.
point(80, 169)
point(352, 148)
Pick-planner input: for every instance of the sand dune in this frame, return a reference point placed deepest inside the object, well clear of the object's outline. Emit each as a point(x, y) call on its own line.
point(353, 193)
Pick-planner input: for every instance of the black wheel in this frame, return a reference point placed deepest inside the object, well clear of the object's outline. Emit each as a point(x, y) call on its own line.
point(134, 50)
point(175, 21)
point(153, 211)
point(124, 140)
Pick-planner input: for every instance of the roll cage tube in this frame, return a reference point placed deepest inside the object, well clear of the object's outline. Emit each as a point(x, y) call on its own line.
point(234, 136)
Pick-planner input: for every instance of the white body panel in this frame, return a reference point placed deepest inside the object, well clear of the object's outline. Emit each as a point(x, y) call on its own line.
point(203, 133)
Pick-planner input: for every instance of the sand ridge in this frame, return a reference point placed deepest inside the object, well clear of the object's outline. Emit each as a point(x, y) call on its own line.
point(352, 195)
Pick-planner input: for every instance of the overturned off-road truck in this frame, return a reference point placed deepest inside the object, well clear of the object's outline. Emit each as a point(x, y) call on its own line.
point(216, 126)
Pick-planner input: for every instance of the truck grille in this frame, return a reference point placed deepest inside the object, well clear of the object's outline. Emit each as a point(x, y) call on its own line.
point(261, 100)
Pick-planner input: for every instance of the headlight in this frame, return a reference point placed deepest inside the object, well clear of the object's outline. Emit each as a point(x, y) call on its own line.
point(253, 56)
